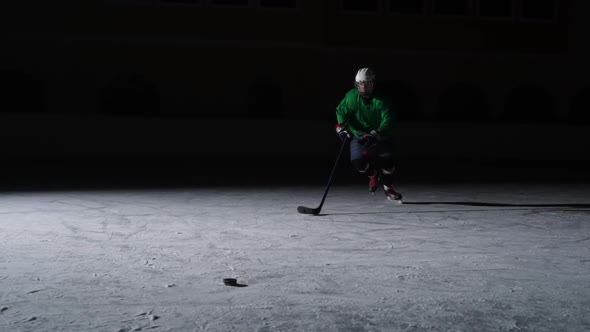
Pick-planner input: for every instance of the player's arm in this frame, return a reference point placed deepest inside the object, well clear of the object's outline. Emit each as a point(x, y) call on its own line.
point(343, 119)
point(387, 119)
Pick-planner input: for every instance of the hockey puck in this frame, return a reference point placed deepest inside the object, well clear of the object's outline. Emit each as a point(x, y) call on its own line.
point(233, 282)
point(230, 281)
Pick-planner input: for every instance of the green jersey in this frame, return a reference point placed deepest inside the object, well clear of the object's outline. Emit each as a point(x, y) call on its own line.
point(362, 115)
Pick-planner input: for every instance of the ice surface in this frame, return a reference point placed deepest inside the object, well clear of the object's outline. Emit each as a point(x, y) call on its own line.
point(499, 257)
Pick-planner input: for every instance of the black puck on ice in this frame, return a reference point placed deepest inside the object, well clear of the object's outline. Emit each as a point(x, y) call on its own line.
point(230, 281)
point(233, 282)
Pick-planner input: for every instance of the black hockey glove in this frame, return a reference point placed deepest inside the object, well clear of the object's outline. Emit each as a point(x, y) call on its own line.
point(342, 131)
point(370, 139)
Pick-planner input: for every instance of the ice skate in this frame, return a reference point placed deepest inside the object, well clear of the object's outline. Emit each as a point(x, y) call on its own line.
point(392, 195)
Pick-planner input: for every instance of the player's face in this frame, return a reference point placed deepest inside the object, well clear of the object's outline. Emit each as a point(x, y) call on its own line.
point(365, 87)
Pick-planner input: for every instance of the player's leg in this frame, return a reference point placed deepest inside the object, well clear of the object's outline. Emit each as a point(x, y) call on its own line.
point(386, 167)
point(363, 163)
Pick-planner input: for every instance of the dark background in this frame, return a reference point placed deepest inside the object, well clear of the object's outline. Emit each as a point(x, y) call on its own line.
point(142, 92)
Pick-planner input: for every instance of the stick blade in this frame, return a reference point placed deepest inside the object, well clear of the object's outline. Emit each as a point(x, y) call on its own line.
point(308, 210)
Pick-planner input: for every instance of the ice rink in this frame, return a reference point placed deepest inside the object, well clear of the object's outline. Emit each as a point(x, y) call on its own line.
point(456, 256)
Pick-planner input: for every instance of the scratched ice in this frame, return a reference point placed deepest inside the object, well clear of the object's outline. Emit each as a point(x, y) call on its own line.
point(493, 257)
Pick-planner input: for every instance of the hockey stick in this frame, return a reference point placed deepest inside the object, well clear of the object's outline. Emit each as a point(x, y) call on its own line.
point(316, 211)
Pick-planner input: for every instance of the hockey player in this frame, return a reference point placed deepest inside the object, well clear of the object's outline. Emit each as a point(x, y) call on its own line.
point(366, 118)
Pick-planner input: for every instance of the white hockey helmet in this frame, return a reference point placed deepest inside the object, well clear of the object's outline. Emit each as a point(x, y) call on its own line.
point(365, 75)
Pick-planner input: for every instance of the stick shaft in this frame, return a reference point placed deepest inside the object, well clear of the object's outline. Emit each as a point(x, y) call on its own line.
point(319, 208)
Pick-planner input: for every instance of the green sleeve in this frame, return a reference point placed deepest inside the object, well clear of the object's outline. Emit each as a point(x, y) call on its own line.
point(387, 118)
point(342, 112)
point(343, 116)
